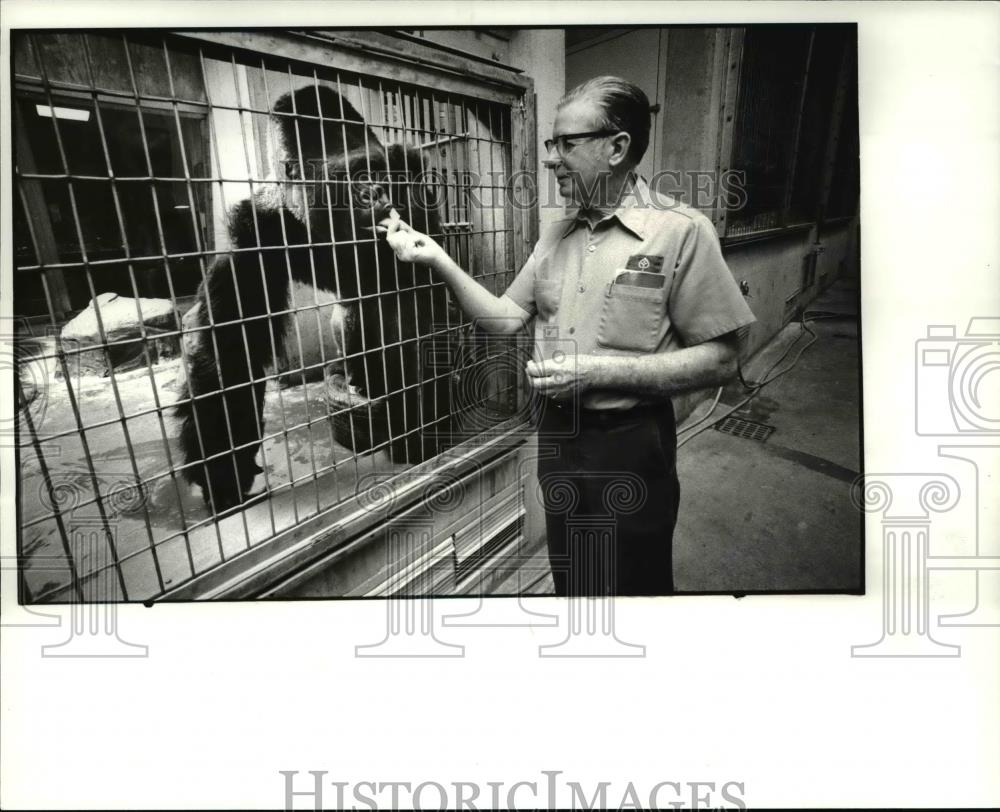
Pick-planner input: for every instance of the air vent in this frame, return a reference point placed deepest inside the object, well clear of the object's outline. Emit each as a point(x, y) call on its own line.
point(489, 550)
point(741, 427)
point(809, 269)
point(789, 313)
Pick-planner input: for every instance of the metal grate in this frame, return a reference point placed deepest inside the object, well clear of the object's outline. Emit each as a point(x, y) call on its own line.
point(789, 312)
point(784, 121)
point(845, 180)
point(767, 116)
point(137, 156)
point(741, 427)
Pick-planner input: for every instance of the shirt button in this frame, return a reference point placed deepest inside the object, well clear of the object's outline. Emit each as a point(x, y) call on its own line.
point(591, 249)
point(572, 330)
point(581, 288)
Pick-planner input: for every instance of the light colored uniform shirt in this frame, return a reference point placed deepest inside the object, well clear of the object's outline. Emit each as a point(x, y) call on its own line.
point(676, 290)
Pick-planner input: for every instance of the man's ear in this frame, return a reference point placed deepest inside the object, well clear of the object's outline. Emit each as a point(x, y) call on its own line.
point(619, 148)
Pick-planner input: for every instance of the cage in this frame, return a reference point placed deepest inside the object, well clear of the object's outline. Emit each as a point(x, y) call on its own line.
point(199, 293)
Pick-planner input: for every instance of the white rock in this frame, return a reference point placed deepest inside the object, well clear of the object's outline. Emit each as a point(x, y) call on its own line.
point(119, 315)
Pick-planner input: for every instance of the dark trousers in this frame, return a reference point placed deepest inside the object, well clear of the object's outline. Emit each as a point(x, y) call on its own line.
point(609, 487)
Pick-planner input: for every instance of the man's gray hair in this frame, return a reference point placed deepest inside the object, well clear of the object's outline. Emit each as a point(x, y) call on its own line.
point(625, 108)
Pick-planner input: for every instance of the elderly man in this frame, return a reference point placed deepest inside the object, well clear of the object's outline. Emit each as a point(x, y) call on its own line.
point(633, 303)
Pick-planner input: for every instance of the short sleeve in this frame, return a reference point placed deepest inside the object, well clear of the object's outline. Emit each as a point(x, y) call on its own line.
point(705, 302)
point(522, 289)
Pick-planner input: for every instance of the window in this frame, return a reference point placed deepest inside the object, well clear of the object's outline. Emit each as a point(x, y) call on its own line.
point(824, 73)
point(844, 186)
point(774, 61)
point(793, 90)
point(135, 157)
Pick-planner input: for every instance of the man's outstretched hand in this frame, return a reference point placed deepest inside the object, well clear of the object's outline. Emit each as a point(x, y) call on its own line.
point(410, 245)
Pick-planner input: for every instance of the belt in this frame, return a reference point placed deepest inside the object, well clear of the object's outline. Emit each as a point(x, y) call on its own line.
point(603, 417)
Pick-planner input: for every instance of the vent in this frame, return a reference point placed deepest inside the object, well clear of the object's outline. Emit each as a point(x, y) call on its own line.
point(741, 427)
point(789, 313)
point(809, 269)
point(511, 532)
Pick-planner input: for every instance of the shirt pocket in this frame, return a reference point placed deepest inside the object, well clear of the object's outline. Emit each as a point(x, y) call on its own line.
point(631, 317)
point(548, 292)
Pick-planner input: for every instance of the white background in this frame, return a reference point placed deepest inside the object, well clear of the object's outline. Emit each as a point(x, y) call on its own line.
point(761, 691)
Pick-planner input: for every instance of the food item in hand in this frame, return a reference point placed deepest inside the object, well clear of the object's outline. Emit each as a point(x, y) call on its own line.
point(385, 221)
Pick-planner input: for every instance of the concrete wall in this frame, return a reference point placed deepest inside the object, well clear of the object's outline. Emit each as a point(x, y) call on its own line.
point(540, 52)
point(632, 54)
point(773, 270)
point(688, 127)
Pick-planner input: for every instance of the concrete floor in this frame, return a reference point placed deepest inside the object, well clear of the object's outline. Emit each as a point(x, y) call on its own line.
point(776, 515)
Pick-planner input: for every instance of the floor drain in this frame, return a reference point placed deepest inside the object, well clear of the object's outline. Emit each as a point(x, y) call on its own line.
point(745, 428)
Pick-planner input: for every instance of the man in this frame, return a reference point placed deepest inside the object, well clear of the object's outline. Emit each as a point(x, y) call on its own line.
point(633, 303)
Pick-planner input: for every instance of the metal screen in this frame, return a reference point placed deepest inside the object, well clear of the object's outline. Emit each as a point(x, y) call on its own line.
point(130, 152)
point(792, 88)
point(845, 186)
point(768, 114)
point(822, 76)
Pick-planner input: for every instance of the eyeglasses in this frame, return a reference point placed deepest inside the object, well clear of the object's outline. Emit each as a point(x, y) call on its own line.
point(562, 145)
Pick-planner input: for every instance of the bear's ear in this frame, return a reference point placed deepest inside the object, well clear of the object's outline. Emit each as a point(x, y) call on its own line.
point(415, 186)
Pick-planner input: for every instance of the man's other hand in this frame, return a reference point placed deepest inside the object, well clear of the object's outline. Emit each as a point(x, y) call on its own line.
point(563, 375)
